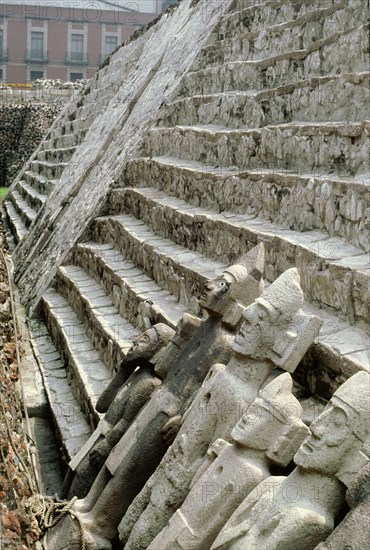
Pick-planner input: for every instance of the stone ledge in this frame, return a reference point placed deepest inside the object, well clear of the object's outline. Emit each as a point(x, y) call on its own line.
point(110, 334)
point(303, 202)
point(128, 287)
point(86, 372)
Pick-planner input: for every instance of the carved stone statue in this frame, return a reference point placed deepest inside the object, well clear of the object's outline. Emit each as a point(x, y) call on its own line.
point(123, 398)
point(141, 448)
point(300, 510)
point(270, 431)
point(275, 333)
point(353, 531)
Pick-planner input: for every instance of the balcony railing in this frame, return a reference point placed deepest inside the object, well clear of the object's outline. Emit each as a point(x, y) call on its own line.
point(3, 54)
point(35, 56)
point(77, 58)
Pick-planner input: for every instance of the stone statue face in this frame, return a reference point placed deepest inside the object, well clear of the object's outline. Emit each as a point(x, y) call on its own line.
point(255, 336)
point(258, 427)
point(330, 440)
point(215, 295)
point(144, 346)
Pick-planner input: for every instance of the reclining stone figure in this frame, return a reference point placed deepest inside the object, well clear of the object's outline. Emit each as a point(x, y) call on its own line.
point(299, 511)
point(142, 447)
point(270, 431)
point(275, 333)
point(123, 398)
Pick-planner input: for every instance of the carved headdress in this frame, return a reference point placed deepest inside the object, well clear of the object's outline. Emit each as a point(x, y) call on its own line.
point(295, 331)
point(354, 397)
point(247, 273)
point(283, 405)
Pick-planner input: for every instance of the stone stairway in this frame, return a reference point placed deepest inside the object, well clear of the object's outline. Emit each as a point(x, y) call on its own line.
point(266, 140)
point(55, 156)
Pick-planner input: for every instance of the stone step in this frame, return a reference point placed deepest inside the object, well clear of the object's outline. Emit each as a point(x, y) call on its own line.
point(65, 141)
point(341, 148)
point(77, 127)
point(26, 212)
point(334, 274)
point(85, 370)
point(69, 421)
point(277, 41)
point(335, 98)
point(50, 170)
point(56, 155)
point(40, 183)
point(303, 202)
point(173, 267)
point(339, 351)
point(258, 17)
point(17, 226)
point(110, 334)
point(31, 195)
point(349, 51)
point(130, 289)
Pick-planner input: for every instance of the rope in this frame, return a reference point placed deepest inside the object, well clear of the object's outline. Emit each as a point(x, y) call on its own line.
point(49, 513)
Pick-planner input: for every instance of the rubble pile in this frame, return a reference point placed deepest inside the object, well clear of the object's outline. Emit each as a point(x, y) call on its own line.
point(22, 126)
point(17, 528)
point(56, 83)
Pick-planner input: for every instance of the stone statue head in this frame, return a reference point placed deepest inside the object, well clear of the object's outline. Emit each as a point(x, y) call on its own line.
point(273, 422)
point(148, 343)
point(275, 327)
point(238, 286)
point(339, 441)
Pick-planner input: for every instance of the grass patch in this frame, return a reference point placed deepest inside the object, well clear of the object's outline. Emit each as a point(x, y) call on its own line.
point(3, 192)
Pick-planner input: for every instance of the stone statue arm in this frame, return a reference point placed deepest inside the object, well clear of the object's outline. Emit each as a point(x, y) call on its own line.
point(139, 396)
point(124, 372)
point(248, 512)
point(198, 400)
point(290, 526)
point(172, 427)
point(167, 356)
point(213, 452)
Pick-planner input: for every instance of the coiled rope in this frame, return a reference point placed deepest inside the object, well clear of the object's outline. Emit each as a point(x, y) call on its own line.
point(48, 514)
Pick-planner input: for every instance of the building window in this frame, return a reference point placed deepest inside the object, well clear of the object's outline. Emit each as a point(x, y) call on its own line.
point(35, 75)
point(37, 45)
point(1, 43)
point(167, 3)
point(1, 75)
point(76, 76)
point(77, 47)
point(110, 44)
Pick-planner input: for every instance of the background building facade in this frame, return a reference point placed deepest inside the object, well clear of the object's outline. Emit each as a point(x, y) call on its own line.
point(66, 39)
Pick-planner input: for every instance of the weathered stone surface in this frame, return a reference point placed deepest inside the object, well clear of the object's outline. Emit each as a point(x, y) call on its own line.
point(353, 531)
point(183, 365)
point(122, 400)
point(232, 470)
point(328, 461)
point(251, 114)
point(263, 343)
point(135, 98)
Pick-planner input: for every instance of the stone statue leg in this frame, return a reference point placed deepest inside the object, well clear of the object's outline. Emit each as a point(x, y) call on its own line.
point(126, 407)
point(84, 477)
point(146, 517)
point(134, 512)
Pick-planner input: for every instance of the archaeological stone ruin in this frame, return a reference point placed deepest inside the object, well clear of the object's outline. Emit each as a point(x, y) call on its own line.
point(190, 254)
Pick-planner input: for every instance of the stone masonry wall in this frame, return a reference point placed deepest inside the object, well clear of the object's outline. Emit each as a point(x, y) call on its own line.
point(22, 127)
